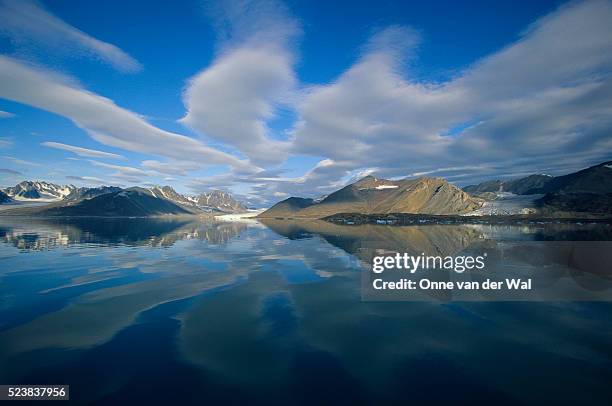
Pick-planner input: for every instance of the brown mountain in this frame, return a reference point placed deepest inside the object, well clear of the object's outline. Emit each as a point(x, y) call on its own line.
point(287, 208)
point(371, 195)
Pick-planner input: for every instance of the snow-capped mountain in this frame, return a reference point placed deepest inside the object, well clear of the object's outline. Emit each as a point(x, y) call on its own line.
point(90, 192)
point(220, 200)
point(38, 190)
point(214, 201)
point(168, 193)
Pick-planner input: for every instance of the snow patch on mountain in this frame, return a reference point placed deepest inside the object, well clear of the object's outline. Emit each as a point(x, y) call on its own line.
point(39, 191)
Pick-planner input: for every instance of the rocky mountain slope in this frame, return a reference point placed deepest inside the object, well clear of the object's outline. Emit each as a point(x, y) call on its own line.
point(371, 195)
point(595, 179)
point(216, 200)
point(90, 192)
point(532, 184)
point(4, 198)
point(572, 203)
point(219, 200)
point(586, 191)
point(167, 192)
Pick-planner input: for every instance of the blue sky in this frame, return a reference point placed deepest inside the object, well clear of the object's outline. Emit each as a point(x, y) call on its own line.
point(269, 99)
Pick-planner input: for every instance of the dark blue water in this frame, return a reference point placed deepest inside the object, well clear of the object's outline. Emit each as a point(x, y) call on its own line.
point(162, 311)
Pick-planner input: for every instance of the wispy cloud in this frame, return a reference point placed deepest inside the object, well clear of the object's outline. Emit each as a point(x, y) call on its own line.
point(171, 168)
point(27, 23)
point(10, 171)
point(123, 173)
point(325, 163)
point(19, 161)
point(127, 170)
point(6, 114)
point(90, 180)
point(5, 143)
point(85, 152)
point(103, 120)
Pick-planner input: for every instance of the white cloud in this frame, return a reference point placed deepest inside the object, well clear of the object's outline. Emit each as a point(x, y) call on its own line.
point(103, 120)
point(27, 23)
point(233, 99)
point(6, 114)
point(5, 143)
point(370, 105)
point(86, 152)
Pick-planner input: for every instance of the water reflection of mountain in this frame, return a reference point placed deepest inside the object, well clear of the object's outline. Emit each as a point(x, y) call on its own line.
point(44, 234)
point(366, 241)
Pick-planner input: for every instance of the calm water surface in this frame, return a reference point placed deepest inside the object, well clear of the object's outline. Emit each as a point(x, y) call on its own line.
point(194, 312)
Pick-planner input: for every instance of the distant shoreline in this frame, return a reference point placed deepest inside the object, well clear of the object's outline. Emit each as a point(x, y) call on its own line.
point(400, 219)
point(162, 216)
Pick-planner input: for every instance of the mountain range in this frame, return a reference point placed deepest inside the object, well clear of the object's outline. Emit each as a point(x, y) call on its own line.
point(68, 200)
point(216, 200)
point(595, 179)
point(585, 192)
